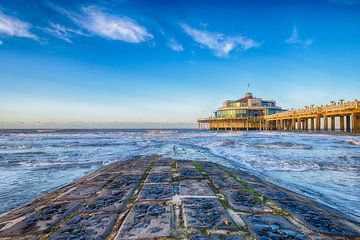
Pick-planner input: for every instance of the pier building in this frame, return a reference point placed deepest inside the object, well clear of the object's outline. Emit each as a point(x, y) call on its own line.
point(242, 114)
point(255, 113)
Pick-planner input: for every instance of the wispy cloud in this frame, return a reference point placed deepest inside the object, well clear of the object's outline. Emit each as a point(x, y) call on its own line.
point(220, 44)
point(14, 27)
point(63, 32)
point(295, 39)
point(175, 46)
point(96, 21)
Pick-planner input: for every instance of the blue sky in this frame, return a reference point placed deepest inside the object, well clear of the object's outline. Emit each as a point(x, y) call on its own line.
point(108, 61)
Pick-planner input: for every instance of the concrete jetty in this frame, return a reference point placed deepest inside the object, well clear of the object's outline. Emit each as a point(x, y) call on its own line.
point(161, 198)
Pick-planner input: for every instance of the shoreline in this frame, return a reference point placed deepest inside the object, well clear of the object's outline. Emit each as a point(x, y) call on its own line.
point(109, 201)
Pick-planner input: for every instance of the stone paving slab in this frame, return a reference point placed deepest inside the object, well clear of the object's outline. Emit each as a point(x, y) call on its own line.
point(40, 221)
point(81, 191)
point(318, 220)
point(165, 162)
point(216, 237)
point(224, 181)
point(206, 213)
point(161, 169)
point(159, 192)
point(160, 198)
point(243, 200)
point(86, 227)
point(190, 174)
point(159, 177)
point(185, 165)
point(147, 221)
point(273, 227)
point(195, 188)
point(109, 201)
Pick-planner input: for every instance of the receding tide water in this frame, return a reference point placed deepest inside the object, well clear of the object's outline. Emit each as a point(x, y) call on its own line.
point(323, 167)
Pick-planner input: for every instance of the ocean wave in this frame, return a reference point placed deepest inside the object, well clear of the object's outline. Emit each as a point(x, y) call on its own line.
point(354, 142)
point(15, 147)
point(284, 145)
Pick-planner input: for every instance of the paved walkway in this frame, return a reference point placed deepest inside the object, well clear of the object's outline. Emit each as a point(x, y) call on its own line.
point(158, 198)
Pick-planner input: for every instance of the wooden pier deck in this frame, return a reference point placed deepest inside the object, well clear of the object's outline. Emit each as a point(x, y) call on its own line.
point(161, 198)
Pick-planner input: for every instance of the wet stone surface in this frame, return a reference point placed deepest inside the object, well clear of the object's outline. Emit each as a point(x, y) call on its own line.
point(273, 227)
point(215, 237)
point(190, 174)
point(156, 192)
point(185, 165)
point(195, 188)
point(206, 213)
point(86, 227)
point(165, 162)
point(108, 201)
point(160, 198)
point(223, 181)
point(317, 220)
point(161, 169)
point(81, 191)
point(147, 221)
point(40, 221)
point(243, 200)
point(159, 177)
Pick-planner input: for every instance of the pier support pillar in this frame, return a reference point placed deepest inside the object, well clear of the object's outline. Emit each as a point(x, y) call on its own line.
point(348, 129)
point(341, 123)
point(332, 123)
point(312, 124)
point(293, 124)
point(355, 123)
point(326, 123)
point(318, 118)
point(306, 123)
point(299, 124)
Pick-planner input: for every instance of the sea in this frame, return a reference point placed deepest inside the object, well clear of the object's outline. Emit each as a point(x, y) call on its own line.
point(325, 168)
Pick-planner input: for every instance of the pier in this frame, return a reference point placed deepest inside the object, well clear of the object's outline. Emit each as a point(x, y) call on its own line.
point(161, 198)
point(338, 116)
point(345, 115)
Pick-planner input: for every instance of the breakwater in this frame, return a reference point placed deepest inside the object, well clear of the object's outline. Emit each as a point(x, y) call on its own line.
point(152, 197)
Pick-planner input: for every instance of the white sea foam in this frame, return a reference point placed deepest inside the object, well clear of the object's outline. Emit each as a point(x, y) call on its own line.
point(277, 156)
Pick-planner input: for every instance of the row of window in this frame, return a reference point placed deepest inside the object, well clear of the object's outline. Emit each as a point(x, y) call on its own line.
point(243, 113)
point(245, 104)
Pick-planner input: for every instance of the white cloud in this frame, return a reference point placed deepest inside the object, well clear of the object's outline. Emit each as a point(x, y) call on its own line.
point(295, 39)
point(14, 27)
point(175, 46)
point(220, 44)
point(63, 32)
point(109, 26)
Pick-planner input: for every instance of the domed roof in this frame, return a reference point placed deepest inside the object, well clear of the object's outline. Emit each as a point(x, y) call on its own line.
point(248, 95)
